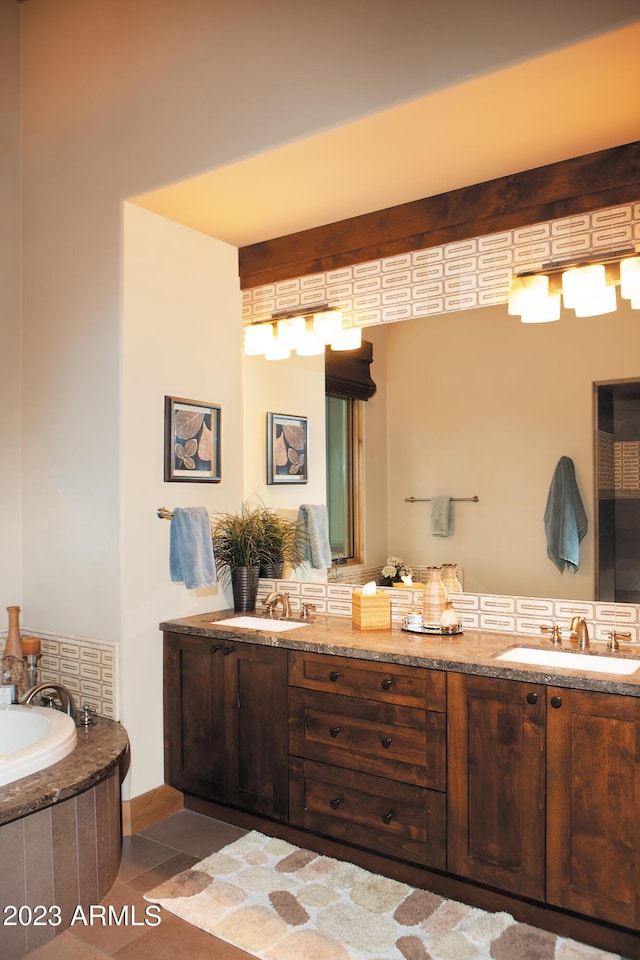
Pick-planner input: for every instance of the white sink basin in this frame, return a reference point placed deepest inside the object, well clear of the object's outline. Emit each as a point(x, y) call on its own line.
point(259, 623)
point(571, 661)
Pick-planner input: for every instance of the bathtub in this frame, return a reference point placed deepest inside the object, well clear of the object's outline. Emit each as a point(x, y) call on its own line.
point(32, 738)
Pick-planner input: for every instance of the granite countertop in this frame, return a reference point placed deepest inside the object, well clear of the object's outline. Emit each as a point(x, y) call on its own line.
point(473, 651)
point(100, 747)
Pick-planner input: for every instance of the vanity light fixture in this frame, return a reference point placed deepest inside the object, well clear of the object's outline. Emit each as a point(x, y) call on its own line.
point(586, 286)
point(308, 333)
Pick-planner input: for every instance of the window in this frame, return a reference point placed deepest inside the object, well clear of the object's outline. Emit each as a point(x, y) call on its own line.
point(344, 443)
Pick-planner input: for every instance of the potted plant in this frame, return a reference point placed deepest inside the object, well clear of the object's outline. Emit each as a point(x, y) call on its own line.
point(236, 546)
point(280, 542)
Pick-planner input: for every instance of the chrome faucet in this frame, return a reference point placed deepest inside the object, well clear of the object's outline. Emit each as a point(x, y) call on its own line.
point(580, 631)
point(275, 598)
point(65, 696)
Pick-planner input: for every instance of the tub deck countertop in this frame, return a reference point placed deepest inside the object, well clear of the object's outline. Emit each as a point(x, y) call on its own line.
point(100, 747)
point(473, 651)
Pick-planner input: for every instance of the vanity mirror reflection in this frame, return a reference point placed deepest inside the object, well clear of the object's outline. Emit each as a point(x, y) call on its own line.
point(473, 403)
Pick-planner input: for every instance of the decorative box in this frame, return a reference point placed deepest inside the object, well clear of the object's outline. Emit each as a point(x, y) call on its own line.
point(370, 611)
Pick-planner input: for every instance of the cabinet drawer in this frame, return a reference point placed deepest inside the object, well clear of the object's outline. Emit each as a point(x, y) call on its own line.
point(396, 819)
point(402, 743)
point(369, 680)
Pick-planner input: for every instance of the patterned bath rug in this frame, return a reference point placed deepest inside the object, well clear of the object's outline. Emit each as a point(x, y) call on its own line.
point(280, 902)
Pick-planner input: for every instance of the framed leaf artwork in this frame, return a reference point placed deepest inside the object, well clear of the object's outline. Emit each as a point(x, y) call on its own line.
point(287, 449)
point(191, 440)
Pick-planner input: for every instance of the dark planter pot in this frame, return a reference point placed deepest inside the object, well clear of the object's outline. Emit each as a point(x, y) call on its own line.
point(244, 583)
point(271, 571)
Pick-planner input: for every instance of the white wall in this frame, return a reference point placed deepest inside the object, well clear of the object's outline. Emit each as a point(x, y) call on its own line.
point(181, 337)
point(10, 262)
point(482, 404)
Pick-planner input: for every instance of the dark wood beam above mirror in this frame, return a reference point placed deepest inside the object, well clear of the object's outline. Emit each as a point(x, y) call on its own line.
point(558, 190)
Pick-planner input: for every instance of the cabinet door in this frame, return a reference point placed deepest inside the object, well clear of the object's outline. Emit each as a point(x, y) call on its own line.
point(256, 728)
point(496, 786)
point(194, 715)
point(593, 830)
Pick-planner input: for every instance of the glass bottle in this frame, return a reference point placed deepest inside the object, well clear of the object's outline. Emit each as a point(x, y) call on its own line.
point(450, 578)
point(449, 621)
point(434, 597)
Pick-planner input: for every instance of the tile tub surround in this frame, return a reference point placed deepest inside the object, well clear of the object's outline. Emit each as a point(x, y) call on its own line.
point(87, 667)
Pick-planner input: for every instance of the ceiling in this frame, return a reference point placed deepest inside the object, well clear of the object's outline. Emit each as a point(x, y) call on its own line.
point(564, 104)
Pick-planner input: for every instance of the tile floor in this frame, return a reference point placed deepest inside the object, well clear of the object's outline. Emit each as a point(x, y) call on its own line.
point(148, 858)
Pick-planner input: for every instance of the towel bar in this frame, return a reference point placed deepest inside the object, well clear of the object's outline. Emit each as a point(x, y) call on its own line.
point(165, 514)
point(455, 499)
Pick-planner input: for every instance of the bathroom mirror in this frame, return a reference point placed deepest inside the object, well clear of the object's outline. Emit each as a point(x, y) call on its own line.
point(473, 403)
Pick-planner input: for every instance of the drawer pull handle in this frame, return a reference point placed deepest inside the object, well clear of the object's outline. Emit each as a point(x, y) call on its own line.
point(386, 684)
point(334, 804)
point(532, 698)
point(386, 742)
point(334, 731)
point(388, 817)
point(334, 675)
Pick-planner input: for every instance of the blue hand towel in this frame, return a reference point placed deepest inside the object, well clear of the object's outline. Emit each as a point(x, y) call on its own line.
point(441, 516)
point(191, 548)
point(565, 520)
point(313, 521)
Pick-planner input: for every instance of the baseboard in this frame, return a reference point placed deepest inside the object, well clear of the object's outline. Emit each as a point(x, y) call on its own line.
point(149, 808)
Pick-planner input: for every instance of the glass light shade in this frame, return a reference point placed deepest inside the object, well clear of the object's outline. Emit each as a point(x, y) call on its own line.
point(584, 283)
point(327, 325)
point(310, 347)
point(527, 293)
point(630, 278)
point(596, 306)
point(277, 351)
point(546, 312)
point(347, 339)
point(257, 338)
point(291, 331)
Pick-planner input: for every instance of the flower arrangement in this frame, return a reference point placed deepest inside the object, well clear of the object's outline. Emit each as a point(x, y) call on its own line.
point(393, 571)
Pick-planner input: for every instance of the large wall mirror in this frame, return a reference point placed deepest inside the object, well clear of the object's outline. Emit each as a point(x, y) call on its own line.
point(468, 404)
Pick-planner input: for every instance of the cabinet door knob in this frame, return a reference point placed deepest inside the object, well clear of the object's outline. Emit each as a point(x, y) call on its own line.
point(387, 817)
point(532, 698)
point(228, 650)
point(334, 675)
point(334, 731)
point(556, 702)
point(334, 804)
point(386, 742)
point(215, 647)
point(386, 684)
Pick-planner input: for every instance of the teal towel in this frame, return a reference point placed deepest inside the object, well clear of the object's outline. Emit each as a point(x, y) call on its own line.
point(565, 520)
point(191, 548)
point(313, 524)
point(441, 516)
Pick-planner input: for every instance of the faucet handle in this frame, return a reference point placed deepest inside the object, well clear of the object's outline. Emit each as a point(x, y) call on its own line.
point(612, 642)
point(554, 630)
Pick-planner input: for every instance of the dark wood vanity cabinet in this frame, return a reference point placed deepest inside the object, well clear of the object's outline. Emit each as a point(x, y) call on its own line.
point(225, 722)
point(544, 794)
point(368, 754)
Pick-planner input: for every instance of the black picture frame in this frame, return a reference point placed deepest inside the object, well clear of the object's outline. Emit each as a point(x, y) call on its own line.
point(192, 429)
point(287, 448)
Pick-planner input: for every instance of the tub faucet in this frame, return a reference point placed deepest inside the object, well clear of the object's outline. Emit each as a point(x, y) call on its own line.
point(580, 630)
point(274, 598)
point(65, 696)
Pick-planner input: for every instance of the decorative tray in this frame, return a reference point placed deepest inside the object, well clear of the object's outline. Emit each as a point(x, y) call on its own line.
point(433, 631)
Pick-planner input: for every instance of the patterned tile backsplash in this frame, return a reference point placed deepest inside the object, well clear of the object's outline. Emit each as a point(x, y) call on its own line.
point(87, 667)
point(521, 615)
point(454, 276)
